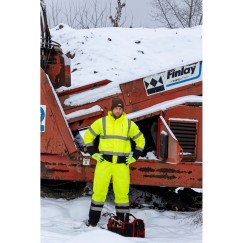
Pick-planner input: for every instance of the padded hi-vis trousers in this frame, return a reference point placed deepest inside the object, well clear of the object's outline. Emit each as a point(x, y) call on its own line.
point(120, 174)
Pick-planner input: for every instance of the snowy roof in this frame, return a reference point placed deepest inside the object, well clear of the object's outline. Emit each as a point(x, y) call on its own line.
point(124, 54)
point(121, 55)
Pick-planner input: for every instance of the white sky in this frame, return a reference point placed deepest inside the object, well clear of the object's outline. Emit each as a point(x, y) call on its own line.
point(137, 12)
point(20, 99)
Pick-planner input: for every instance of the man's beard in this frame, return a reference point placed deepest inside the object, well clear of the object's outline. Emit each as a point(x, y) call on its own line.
point(115, 116)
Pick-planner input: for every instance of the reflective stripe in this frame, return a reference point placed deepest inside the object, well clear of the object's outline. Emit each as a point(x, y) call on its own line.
point(92, 131)
point(96, 208)
point(119, 210)
point(114, 137)
point(129, 126)
point(114, 153)
point(139, 149)
point(89, 144)
point(122, 207)
point(138, 135)
point(104, 125)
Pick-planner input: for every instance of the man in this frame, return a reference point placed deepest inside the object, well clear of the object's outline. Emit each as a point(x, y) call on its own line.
point(113, 159)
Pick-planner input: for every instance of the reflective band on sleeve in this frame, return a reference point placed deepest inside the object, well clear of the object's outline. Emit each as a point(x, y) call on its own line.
point(138, 135)
point(89, 144)
point(92, 131)
point(139, 149)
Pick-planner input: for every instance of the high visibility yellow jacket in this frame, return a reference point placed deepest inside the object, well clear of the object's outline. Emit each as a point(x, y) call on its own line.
point(115, 135)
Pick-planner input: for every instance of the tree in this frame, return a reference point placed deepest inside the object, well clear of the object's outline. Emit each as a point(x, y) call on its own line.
point(177, 13)
point(115, 21)
point(54, 15)
point(83, 14)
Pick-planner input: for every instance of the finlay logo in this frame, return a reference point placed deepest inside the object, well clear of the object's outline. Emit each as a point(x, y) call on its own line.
point(184, 70)
point(173, 78)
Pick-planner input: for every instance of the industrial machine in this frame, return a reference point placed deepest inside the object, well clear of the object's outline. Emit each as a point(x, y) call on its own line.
point(166, 106)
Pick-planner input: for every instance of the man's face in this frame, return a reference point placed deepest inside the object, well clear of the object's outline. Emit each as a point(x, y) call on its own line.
point(117, 112)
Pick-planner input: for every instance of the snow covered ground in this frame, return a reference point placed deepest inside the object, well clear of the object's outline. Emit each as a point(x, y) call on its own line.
point(62, 221)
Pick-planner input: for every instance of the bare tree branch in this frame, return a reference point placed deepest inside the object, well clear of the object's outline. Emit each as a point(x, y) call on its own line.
point(177, 13)
point(115, 21)
point(84, 14)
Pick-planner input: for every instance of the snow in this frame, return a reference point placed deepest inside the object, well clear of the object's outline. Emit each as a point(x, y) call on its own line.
point(120, 55)
point(62, 221)
point(83, 112)
point(165, 105)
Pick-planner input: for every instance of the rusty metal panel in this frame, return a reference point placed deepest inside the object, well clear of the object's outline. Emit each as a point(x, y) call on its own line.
point(143, 172)
point(58, 167)
point(136, 98)
point(157, 173)
point(56, 139)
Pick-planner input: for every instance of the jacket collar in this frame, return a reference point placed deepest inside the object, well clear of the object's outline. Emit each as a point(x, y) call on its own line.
point(111, 116)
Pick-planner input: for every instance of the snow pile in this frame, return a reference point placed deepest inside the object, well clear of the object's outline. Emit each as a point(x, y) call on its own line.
point(123, 54)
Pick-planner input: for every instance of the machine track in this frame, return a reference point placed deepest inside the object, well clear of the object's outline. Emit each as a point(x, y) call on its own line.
point(161, 198)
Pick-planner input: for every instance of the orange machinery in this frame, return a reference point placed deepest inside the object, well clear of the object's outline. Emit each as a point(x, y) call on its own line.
point(166, 106)
point(170, 120)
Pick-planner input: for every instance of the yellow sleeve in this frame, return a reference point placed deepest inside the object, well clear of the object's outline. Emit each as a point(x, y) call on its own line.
point(91, 133)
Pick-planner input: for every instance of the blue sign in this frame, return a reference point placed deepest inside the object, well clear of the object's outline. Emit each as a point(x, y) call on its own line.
point(42, 118)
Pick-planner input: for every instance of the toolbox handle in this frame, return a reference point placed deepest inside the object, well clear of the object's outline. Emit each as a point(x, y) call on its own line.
point(131, 215)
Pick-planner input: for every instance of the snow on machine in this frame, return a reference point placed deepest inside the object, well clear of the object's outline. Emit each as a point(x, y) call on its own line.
point(166, 106)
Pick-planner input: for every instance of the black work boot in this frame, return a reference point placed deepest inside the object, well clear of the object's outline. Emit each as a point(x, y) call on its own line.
point(94, 217)
point(94, 213)
point(87, 223)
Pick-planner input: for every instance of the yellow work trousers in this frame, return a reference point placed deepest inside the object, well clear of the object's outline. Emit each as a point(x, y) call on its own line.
point(120, 174)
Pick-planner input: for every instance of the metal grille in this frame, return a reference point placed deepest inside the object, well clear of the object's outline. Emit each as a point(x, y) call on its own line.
point(186, 133)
